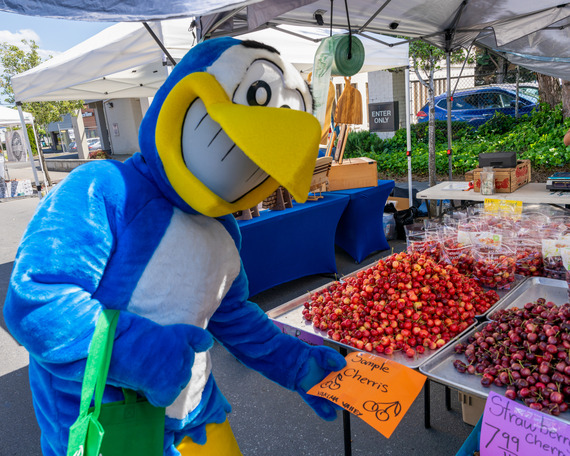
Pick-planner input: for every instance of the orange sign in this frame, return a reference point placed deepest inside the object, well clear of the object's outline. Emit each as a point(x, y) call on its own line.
point(375, 389)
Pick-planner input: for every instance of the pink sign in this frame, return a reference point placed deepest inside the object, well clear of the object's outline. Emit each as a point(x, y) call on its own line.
point(512, 429)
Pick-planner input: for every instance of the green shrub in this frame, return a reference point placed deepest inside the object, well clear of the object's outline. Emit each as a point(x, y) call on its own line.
point(537, 137)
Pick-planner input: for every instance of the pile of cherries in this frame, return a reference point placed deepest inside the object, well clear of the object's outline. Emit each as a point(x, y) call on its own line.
point(526, 351)
point(406, 302)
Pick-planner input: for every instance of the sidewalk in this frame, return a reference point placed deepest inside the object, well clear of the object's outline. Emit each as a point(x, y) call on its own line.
point(23, 170)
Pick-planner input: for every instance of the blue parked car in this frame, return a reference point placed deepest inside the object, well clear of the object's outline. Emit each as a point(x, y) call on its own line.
point(477, 106)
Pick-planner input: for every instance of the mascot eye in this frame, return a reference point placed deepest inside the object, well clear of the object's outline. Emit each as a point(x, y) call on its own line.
point(264, 85)
point(259, 94)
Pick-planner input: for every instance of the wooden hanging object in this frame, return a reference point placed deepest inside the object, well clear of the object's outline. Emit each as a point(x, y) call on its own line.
point(349, 105)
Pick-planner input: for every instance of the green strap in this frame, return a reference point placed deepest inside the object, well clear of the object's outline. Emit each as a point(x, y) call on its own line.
point(98, 361)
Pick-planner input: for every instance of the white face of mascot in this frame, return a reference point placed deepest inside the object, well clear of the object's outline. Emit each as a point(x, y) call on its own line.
point(230, 134)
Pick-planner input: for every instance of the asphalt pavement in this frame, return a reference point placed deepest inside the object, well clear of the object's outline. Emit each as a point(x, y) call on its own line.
point(266, 419)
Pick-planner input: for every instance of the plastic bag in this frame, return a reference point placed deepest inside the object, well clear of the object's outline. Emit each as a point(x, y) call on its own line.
point(565, 254)
point(456, 253)
point(495, 260)
point(423, 241)
point(402, 218)
point(529, 257)
point(389, 224)
point(552, 257)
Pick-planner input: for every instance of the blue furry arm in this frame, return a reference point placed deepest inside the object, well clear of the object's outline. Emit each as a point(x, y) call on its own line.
point(49, 306)
point(246, 332)
point(52, 306)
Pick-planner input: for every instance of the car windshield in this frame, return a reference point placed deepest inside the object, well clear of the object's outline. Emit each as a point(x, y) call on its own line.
point(529, 92)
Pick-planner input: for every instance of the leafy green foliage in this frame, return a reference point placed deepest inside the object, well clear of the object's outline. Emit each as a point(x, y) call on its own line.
point(32, 140)
point(17, 59)
point(537, 137)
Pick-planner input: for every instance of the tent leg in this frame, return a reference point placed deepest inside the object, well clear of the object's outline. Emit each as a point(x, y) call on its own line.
point(47, 180)
point(408, 135)
point(29, 150)
point(449, 136)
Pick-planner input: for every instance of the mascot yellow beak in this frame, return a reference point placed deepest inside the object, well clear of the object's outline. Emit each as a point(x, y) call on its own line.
point(282, 142)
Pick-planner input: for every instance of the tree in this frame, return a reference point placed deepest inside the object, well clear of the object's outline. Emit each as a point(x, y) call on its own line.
point(17, 59)
point(426, 59)
point(549, 89)
point(491, 68)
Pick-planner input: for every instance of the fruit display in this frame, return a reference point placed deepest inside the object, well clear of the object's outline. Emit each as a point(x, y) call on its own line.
point(494, 268)
point(405, 302)
point(529, 259)
point(525, 350)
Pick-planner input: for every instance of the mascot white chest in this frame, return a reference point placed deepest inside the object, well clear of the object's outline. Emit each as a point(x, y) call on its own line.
point(189, 273)
point(185, 281)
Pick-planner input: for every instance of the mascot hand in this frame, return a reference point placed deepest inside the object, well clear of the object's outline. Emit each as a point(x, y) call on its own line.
point(319, 363)
point(172, 359)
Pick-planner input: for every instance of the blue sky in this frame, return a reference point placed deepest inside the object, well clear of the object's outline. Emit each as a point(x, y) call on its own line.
point(52, 35)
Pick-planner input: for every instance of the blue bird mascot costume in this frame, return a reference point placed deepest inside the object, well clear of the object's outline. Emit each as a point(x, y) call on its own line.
point(155, 238)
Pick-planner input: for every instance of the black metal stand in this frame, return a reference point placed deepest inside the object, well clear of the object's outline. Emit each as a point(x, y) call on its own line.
point(447, 398)
point(346, 420)
point(427, 404)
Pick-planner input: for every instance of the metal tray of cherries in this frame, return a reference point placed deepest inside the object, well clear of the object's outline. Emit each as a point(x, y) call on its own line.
point(533, 321)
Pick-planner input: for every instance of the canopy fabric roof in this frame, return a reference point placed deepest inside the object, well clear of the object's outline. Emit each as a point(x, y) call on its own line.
point(124, 61)
point(9, 117)
point(114, 11)
point(525, 31)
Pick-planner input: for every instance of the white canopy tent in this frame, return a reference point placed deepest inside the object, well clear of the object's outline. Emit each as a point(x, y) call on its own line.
point(124, 61)
point(10, 117)
point(449, 24)
point(16, 117)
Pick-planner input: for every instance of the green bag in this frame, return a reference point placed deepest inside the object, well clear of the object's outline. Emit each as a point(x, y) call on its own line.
point(132, 427)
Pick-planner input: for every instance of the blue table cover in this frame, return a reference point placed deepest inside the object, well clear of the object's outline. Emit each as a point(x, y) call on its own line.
point(279, 246)
point(360, 230)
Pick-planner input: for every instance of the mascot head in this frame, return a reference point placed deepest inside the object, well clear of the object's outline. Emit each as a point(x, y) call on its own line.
point(230, 124)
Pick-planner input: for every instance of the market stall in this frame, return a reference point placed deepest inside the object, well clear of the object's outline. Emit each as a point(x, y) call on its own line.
point(511, 269)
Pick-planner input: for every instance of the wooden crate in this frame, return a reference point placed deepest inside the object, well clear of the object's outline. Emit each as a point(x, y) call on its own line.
point(507, 180)
point(353, 173)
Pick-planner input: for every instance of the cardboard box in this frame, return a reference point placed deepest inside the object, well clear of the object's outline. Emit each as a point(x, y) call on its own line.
point(399, 203)
point(353, 173)
point(472, 408)
point(507, 180)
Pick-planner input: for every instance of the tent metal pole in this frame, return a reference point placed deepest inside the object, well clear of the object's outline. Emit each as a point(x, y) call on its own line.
point(160, 44)
point(408, 135)
point(517, 98)
point(40, 157)
point(29, 149)
point(449, 99)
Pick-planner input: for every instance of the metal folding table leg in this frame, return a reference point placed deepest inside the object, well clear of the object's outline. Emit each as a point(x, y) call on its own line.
point(346, 420)
point(447, 398)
